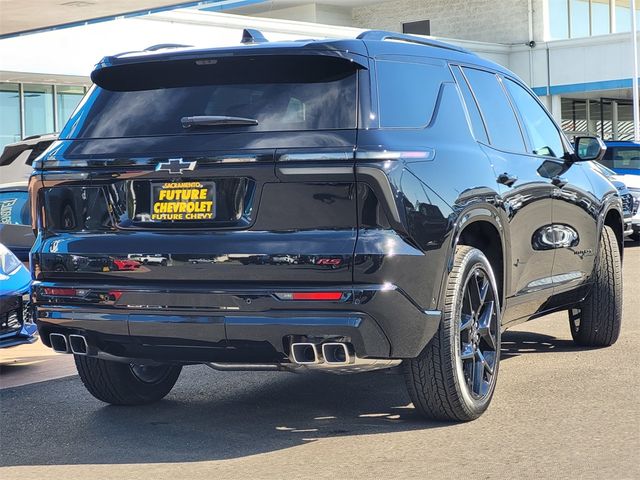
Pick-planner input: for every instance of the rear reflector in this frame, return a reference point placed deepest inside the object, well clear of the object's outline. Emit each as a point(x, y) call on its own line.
point(115, 295)
point(65, 292)
point(309, 295)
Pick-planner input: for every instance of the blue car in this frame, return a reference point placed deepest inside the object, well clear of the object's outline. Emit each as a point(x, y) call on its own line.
point(623, 157)
point(16, 326)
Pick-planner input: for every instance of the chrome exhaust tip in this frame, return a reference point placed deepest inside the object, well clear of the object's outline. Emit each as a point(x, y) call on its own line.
point(305, 353)
point(335, 353)
point(59, 343)
point(78, 344)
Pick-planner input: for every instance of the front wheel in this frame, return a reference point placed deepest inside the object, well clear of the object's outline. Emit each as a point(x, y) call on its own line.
point(597, 322)
point(126, 384)
point(455, 376)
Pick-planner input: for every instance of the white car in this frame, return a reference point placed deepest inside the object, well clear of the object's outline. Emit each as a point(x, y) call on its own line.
point(148, 259)
point(633, 184)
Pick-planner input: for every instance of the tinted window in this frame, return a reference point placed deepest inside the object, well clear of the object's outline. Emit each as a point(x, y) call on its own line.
point(543, 134)
point(502, 125)
point(622, 158)
point(472, 107)
point(408, 92)
point(306, 93)
point(14, 208)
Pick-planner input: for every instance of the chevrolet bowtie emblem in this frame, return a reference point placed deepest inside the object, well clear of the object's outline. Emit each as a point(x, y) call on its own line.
point(175, 165)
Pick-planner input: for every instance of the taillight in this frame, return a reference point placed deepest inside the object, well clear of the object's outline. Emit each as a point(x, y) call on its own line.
point(309, 295)
point(65, 292)
point(422, 154)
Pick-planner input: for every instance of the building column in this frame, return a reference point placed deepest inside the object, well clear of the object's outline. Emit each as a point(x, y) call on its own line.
point(21, 103)
point(590, 129)
point(614, 120)
point(554, 104)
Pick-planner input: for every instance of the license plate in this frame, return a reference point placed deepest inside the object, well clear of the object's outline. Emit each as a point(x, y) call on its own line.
point(183, 201)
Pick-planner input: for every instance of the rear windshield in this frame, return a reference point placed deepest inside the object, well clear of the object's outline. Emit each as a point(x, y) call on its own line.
point(618, 158)
point(280, 93)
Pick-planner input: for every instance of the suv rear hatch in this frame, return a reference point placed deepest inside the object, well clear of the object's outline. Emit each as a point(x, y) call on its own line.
point(220, 168)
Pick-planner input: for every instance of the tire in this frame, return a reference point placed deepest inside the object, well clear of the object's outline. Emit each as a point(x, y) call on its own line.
point(119, 384)
point(597, 322)
point(439, 380)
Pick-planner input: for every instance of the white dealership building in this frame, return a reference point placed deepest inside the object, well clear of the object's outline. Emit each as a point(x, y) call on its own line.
point(577, 55)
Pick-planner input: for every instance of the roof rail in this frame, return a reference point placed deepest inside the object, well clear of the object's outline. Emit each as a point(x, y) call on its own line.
point(162, 46)
point(251, 35)
point(402, 37)
point(152, 48)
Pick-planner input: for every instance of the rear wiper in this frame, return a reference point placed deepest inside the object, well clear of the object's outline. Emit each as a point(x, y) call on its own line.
point(214, 120)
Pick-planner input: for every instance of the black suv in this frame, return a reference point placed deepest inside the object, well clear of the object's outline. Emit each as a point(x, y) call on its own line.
point(336, 205)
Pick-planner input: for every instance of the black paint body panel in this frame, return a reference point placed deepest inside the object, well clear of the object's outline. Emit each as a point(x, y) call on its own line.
point(375, 213)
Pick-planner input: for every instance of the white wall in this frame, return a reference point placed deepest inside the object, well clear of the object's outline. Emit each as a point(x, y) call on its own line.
point(576, 61)
point(312, 12)
point(500, 21)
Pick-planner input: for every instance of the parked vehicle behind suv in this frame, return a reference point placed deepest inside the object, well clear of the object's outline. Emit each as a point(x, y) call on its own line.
point(630, 203)
point(350, 205)
point(623, 157)
point(15, 212)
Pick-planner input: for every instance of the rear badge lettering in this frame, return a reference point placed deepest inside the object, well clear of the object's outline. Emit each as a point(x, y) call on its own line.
point(329, 261)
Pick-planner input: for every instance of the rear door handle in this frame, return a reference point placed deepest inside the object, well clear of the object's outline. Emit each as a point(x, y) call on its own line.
point(559, 181)
point(507, 179)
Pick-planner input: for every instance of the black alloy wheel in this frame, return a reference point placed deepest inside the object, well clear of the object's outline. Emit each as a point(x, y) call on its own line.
point(149, 373)
point(478, 334)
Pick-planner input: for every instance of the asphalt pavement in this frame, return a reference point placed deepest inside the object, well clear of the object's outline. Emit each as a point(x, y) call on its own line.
point(559, 412)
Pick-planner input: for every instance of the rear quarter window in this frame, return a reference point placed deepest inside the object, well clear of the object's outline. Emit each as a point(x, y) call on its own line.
point(408, 92)
point(500, 119)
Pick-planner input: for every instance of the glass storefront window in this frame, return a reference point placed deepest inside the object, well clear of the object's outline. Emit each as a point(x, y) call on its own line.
point(9, 114)
point(574, 118)
point(579, 18)
point(38, 109)
point(623, 15)
point(558, 19)
point(599, 17)
point(582, 18)
point(67, 99)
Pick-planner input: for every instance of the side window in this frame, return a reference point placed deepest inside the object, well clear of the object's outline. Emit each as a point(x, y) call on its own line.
point(408, 92)
point(543, 135)
point(477, 126)
point(500, 119)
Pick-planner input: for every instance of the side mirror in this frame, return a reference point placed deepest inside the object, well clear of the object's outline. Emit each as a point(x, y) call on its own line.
point(589, 148)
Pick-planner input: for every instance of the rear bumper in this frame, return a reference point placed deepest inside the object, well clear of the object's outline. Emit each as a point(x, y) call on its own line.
point(200, 325)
